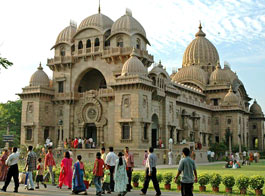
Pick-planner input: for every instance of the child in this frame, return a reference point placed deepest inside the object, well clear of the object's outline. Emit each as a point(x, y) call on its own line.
point(98, 173)
point(106, 182)
point(40, 170)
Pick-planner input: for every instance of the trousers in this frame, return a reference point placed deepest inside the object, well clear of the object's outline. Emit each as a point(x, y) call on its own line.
point(153, 178)
point(12, 172)
point(186, 189)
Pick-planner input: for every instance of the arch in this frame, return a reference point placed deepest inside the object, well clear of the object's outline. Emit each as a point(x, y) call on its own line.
point(80, 45)
point(90, 79)
point(138, 43)
point(119, 42)
point(88, 43)
point(97, 42)
point(155, 127)
point(62, 51)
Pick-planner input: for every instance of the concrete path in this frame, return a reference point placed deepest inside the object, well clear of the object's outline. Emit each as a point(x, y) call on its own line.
point(53, 191)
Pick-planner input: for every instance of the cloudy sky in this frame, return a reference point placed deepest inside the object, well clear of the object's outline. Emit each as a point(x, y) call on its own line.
point(236, 27)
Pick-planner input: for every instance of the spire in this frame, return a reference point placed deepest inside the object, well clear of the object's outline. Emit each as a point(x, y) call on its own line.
point(231, 89)
point(40, 67)
point(160, 64)
point(200, 33)
point(218, 66)
point(99, 7)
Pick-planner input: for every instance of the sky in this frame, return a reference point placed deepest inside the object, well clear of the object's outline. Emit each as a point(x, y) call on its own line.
point(29, 29)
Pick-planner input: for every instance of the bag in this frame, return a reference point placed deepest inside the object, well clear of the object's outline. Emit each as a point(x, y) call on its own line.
point(22, 178)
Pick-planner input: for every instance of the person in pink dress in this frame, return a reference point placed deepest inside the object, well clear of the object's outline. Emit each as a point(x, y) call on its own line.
point(66, 172)
point(3, 166)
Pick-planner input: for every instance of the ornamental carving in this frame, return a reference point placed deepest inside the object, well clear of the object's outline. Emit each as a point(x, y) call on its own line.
point(126, 109)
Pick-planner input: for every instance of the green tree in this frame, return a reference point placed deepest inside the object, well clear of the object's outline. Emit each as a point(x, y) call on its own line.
point(10, 112)
point(5, 63)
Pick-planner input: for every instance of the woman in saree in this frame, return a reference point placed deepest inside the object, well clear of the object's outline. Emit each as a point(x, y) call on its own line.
point(120, 176)
point(79, 171)
point(66, 172)
point(3, 166)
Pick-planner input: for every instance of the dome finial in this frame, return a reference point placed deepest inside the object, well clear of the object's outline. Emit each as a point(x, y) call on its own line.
point(40, 67)
point(218, 66)
point(160, 64)
point(200, 33)
point(99, 6)
point(231, 89)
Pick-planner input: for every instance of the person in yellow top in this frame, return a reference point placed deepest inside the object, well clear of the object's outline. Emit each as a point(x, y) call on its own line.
point(103, 155)
point(40, 171)
point(106, 182)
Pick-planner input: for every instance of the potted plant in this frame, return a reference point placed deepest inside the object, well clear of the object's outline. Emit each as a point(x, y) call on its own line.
point(135, 179)
point(256, 183)
point(142, 177)
point(178, 182)
point(229, 182)
point(203, 180)
point(215, 181)
point(242, 183)
point(167, 178)
point(159, 178)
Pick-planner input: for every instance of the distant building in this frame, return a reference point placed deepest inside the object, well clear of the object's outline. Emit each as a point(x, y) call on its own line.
point(102, 89)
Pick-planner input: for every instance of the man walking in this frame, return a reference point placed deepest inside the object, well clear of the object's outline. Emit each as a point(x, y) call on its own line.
point(170, 157)
point(187, 168)
point(129, 166)
point(50, 163)
point(150, 173)
point(31, 165)
point(12, 161)
point(110, 162)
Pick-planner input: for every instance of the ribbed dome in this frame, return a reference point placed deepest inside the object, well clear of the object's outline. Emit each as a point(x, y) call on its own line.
point(39, 78)
point(66, 35)
point(232, 76)
point(200, 51)
point(133, 66)
point(255, 108)
point(231, 98)
point(219, 76)
point(192, 73)
point(159, 70)
point(97, 21)
point(127, 24)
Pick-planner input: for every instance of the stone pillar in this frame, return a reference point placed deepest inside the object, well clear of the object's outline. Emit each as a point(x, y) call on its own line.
point(98, 136)
point(60, 144)
point(230, 144)
point(239, 143)
point(207, 139)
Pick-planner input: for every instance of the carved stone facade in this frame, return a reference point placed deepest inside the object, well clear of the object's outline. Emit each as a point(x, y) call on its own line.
point(101, 88)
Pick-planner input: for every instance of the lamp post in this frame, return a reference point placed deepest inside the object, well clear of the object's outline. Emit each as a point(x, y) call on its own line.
point(60, 143)
point(7, 133)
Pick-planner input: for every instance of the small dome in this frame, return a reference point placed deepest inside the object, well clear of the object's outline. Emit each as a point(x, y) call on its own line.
point(219, 76)
point(39, 78)
point(191, 73)
point(129, 25)
point(231, 98)
point(200, 51)
point(133, 66)
point(255, 108)
point(232, 76)
point(97, 21)
point(66, 35)
point(159, 69)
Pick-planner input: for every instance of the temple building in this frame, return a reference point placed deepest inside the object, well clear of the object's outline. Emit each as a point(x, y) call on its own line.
point(105, 87)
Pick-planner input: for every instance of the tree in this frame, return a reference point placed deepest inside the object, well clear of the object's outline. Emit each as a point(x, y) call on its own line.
point(10, 112)
point(5, 63)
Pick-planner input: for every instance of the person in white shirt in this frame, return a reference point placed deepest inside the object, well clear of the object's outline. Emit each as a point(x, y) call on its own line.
point(110, 162)
point(209, 155)
point(12, 162)
point(170, 157)
point(244, 155)
point(212, 156)
point(170, 142)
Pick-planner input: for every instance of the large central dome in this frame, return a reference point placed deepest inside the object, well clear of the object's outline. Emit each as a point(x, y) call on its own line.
point(200, 52)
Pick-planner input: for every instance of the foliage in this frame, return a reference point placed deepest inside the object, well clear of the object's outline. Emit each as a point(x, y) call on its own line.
point(203, 179)
point(215, 180)
point(218, 147)
point(159, 178)
point(167, 178)
point(256, 182)
point(10, 112)
point(136, 177)
point(177, 181)
point(142, 177)
point(5, 63)
point(242, 182)
point(228, 181)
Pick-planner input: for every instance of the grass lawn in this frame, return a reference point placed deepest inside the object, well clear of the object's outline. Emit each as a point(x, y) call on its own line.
point(253, 169)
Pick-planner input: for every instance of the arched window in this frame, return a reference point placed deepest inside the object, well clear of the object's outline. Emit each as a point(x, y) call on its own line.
point(62, 51)
point(138, 43)
point(80, 45)
point(96, 42)
point(73, 48)
point(88, 43)
point(120, 42)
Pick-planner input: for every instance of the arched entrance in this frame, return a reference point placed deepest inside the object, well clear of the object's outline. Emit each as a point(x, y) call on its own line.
point(92, 80)
point(90, 131)
point(154, 130)
point(255, 143)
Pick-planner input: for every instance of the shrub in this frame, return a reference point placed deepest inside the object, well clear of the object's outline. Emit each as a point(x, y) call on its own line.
point(159, 178)
point(178, 181)
point(228, 181)
point(215, 180)
point(256, 182)
point(242, 182)
point(142, 177)
point(136, 177)
point(167, 178)
point(203, 179)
